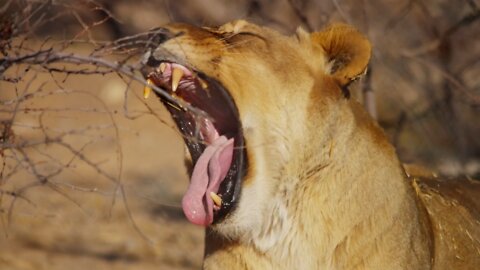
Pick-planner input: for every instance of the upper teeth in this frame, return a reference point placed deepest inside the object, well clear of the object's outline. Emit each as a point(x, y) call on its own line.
point(147, 89)
point(163, 66)
point(177, 74)
point(203, 83)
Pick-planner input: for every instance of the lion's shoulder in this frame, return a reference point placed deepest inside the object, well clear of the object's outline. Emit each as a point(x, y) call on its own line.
point(453, 210)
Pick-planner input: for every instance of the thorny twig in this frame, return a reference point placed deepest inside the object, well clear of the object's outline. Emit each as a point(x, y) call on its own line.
point(19, 59)
point(45, 58)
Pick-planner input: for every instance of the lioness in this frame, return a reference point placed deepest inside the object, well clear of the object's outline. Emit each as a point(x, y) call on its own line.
point(288, 171)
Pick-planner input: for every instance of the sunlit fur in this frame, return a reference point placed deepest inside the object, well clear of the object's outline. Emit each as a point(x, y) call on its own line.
point(324, 188)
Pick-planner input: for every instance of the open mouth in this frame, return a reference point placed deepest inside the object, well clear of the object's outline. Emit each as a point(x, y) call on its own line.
point(216, 144)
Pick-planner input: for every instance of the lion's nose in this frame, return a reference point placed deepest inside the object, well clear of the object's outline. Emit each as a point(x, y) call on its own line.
point(154, 39)
point(157, 36)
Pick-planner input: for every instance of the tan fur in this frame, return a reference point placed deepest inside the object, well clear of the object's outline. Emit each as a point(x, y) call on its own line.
point(324, 187)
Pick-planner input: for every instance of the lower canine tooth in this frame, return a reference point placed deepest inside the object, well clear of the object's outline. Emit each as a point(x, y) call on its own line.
point(147, 89)
point(216, 199)
point(176, 77)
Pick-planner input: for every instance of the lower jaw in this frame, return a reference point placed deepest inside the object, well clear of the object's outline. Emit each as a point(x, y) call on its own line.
point(230, 188)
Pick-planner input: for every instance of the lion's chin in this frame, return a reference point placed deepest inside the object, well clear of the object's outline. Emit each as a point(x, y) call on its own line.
point(215, 141)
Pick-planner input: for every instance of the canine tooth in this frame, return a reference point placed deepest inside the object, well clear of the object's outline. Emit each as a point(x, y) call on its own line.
point(177, 74)
point(203, 83)
point(216, 199)
point(163, 66)
point(147, 89)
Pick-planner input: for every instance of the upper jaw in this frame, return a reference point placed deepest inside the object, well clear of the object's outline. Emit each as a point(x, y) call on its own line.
point(203, 92)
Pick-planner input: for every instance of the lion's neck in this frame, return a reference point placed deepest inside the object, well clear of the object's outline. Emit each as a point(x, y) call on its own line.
point(350, 202)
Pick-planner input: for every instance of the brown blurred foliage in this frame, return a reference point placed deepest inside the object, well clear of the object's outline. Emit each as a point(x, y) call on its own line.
point(91, 174)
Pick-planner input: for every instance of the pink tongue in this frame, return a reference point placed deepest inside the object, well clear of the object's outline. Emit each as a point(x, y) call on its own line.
point(209, 171)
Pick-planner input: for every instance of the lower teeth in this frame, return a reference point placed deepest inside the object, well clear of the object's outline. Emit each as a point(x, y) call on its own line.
point(216, 199)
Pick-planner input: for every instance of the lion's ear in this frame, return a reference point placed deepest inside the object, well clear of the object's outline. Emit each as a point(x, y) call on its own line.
point(347, 51)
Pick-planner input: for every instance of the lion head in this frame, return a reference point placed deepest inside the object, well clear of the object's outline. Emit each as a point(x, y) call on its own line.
point(267, 96)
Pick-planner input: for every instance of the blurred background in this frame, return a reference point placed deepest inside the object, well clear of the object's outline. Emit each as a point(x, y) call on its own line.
point(91, 174)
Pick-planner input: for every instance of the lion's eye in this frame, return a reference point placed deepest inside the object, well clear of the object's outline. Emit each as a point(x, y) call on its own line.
point(249, 34)
point(243, 36)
